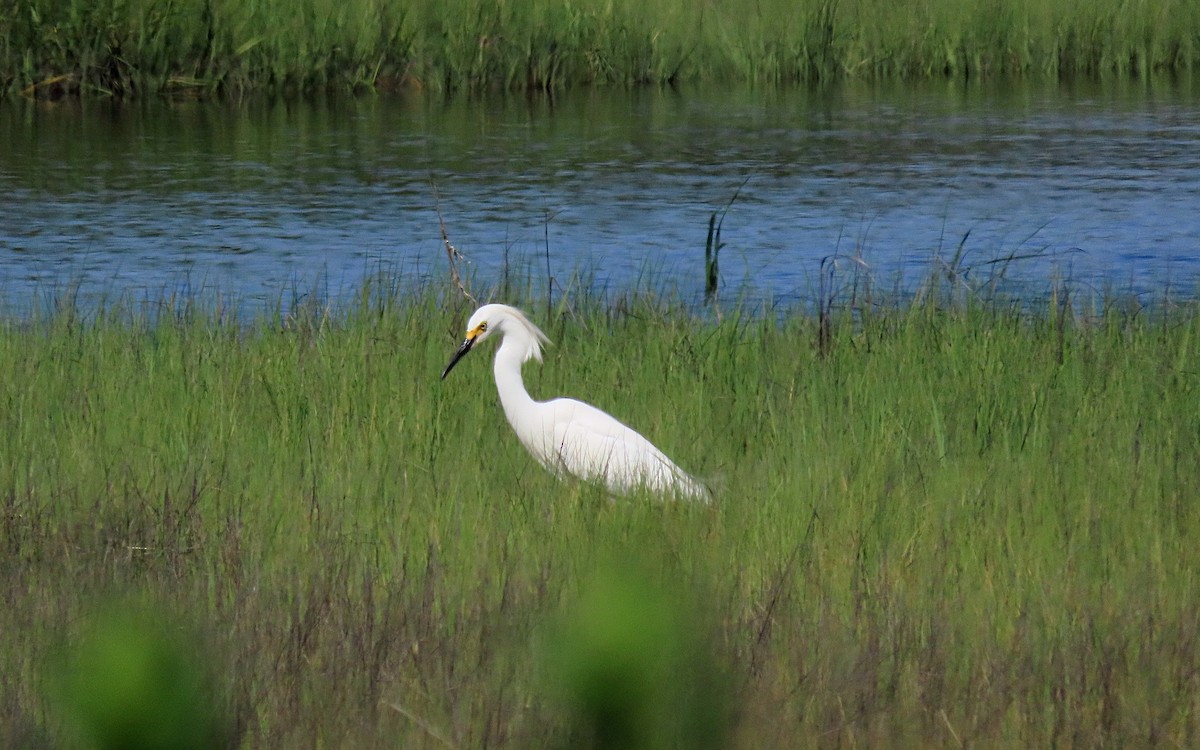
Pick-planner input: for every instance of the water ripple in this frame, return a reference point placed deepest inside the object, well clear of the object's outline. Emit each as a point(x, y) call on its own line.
point(1099, 186)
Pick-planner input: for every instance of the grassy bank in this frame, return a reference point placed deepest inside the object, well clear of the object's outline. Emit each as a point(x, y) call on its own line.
point(48, 47)
point(955, 526)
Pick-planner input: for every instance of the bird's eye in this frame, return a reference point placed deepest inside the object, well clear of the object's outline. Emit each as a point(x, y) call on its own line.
point(483, 326)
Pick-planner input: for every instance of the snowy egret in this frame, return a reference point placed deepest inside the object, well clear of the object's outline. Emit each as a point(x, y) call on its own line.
point(564, 435)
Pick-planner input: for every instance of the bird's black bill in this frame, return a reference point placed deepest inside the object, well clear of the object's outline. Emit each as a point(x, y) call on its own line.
point(462, 352)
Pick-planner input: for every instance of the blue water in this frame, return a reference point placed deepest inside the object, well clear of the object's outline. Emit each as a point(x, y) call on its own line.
point(1096, 186)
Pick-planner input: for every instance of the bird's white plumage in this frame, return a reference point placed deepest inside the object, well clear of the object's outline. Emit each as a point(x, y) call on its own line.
point(566, 436)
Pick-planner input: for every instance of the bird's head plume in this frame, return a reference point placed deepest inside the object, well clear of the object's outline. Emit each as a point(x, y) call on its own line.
point(510, 322)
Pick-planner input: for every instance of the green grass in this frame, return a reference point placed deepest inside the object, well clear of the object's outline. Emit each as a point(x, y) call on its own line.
point(960, 524)
point(51, 47)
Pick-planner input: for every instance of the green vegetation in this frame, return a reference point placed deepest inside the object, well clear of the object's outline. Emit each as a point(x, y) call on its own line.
point(938, 524)
point(126, 47)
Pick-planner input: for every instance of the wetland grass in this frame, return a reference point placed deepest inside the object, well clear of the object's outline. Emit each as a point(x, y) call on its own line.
point(946, 525)
point(52, 47)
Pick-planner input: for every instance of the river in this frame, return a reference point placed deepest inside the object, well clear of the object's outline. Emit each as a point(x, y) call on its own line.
point(1094, 185)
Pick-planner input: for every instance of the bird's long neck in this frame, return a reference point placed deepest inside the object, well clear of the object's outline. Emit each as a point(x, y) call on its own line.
point(513, 396)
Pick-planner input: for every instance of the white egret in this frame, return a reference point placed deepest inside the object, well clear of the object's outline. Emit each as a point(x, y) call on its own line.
point(564, 435)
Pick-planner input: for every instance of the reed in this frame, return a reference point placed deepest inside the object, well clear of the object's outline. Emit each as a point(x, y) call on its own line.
point(52, 47)
point(944, 524)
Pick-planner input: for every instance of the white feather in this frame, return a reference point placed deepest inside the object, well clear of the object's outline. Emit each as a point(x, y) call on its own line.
point(566, 436)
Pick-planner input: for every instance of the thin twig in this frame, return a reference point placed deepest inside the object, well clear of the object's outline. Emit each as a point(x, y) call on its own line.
point(452, 253)
point(950, 726)
point(777, 592)
point(549, 217)
point(421, 724)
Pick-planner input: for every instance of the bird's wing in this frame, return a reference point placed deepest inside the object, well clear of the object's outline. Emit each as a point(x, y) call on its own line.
point(593, 445)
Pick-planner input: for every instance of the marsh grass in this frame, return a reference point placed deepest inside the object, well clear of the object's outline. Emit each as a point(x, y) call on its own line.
point(948, 525)
point(52, 47)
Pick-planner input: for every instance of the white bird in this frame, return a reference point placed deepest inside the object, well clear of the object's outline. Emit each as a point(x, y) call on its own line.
point(564, 435)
